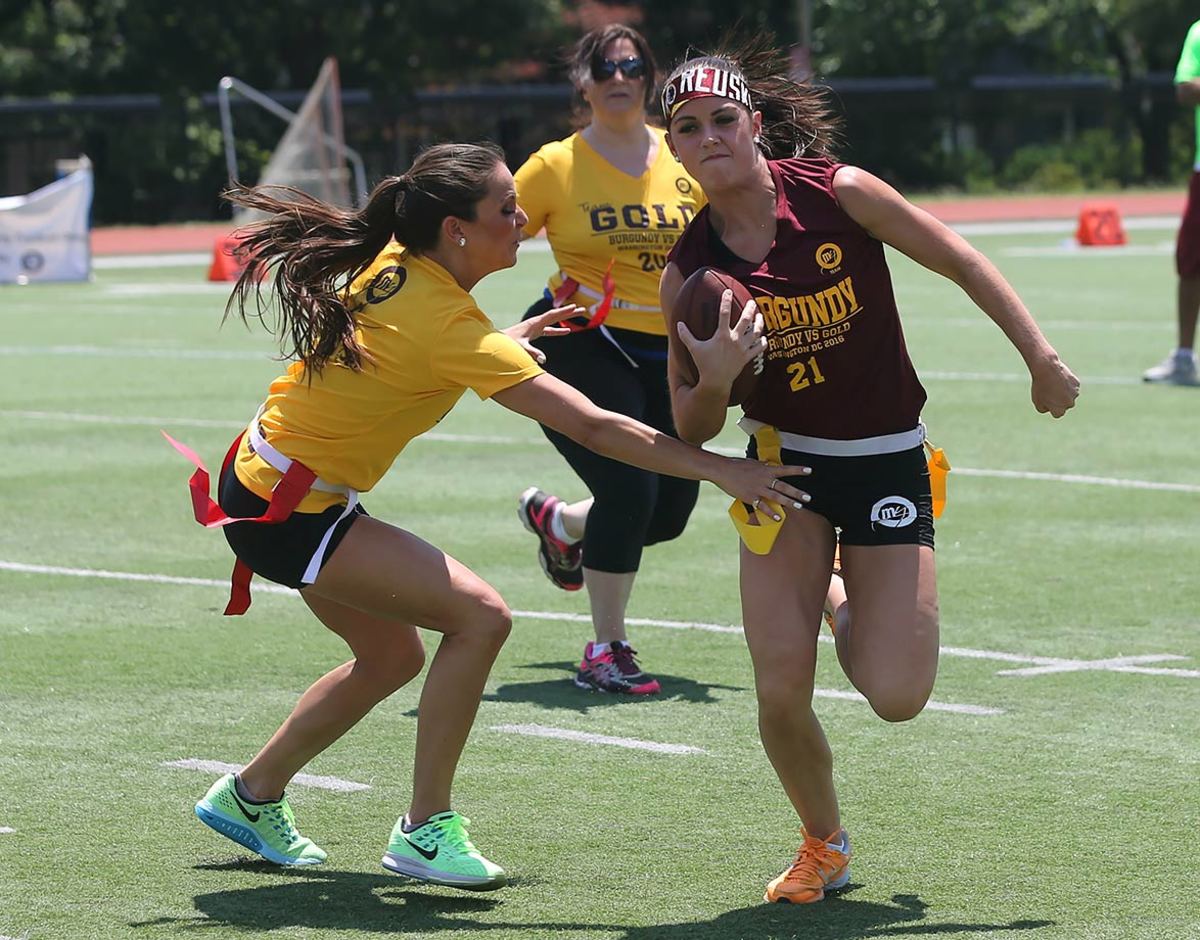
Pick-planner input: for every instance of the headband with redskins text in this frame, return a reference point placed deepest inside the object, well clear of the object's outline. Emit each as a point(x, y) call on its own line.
point(704, 81)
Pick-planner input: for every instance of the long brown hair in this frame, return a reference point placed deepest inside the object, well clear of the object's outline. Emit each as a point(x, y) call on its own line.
point(316, 250)
point(797, 117)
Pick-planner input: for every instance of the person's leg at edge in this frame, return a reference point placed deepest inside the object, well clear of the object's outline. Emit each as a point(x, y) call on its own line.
point(887, 633)
point(387, 572)
point(1188, 307)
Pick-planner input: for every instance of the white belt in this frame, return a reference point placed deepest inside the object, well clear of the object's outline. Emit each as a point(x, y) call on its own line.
point(278, 461)
point(828, 447)
point(617, 302)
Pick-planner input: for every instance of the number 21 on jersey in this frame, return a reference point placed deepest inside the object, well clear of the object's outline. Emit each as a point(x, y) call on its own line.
point(805, 373)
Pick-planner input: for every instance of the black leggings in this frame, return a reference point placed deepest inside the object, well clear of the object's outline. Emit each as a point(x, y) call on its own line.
point(633, 508)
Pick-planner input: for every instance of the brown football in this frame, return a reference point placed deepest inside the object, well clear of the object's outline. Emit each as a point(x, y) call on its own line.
point(698, 304)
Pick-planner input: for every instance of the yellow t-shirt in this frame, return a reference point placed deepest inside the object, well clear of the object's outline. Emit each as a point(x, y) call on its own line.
point(594, 212)
point(428, 342)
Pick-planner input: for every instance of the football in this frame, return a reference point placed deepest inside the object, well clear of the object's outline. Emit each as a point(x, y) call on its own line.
point(698, 304)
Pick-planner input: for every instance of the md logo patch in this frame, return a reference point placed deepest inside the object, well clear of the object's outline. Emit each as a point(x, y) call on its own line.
point(385, 284)
point(894, 512)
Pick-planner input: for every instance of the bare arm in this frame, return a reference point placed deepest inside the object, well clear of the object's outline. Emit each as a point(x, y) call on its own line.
point(699, 410)
point(559, 406)
point(1188, 93)
point(884, 213)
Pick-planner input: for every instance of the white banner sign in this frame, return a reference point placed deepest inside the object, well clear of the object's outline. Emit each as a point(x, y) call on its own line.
point(44, 235)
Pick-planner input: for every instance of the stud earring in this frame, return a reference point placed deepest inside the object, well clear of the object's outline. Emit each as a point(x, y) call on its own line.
point(462, 242)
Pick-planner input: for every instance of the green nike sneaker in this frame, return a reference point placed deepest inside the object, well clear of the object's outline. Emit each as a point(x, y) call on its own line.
point(440, 851)
point(266, 828)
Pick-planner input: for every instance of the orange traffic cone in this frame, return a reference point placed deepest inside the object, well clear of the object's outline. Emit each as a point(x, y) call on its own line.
point(1100, 224)
point(228, 261)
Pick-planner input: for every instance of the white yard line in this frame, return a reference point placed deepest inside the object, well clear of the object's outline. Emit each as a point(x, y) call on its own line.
point(133, 352)
point(445, 438)
point(177, 259)
point(1073, 250)
point(931, 705)
point(1123, 664)
point(585, 737)
point(336, 784)
point(5, 831)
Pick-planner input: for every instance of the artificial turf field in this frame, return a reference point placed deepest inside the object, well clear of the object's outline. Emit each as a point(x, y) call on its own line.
point(1052, 795)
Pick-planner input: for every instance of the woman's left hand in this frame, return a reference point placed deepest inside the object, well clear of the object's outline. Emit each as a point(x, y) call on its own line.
point(544, 324)
point(1055, 387)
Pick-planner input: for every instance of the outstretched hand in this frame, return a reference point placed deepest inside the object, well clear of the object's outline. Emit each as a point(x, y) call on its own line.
point(762, 485)
point(544, 324)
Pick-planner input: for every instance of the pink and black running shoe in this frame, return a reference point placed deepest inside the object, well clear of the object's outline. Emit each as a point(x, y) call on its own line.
point(562, 561)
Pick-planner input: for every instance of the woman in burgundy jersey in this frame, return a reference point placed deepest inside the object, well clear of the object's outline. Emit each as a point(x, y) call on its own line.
point(837, 392)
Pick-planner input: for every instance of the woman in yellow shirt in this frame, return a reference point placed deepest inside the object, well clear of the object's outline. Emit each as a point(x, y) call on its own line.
point(612, 201)
point(374, 307)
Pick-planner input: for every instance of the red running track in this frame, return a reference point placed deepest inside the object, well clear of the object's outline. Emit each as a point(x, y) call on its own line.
point(154, 239)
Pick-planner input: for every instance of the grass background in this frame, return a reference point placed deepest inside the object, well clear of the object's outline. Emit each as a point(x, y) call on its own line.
point(1071, 815)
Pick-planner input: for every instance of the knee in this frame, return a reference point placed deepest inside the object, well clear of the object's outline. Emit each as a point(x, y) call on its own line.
point(671, 513)
point(900, 704)
point(664, 530)
point(780, 699)
point(405, 665)
point(493, 622)
point(394, 666)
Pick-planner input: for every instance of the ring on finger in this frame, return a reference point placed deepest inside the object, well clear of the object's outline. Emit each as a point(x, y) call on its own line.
point(757, 500)
point(771, 485)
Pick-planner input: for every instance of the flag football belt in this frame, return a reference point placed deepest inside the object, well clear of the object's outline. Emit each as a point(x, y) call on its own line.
point(603, 301)
point(298, 480)
point(758, 530)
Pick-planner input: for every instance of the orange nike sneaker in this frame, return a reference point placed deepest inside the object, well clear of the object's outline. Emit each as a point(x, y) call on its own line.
point(821, 865)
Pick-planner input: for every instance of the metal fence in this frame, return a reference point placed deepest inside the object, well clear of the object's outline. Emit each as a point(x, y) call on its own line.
point(161, 159)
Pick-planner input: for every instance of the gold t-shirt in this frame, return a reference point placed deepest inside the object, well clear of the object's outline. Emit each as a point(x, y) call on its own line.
point(428, 342)
point(594, 213)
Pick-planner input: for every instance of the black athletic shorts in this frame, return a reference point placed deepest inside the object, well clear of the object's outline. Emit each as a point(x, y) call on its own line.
point(279, 552)
point(882, 499)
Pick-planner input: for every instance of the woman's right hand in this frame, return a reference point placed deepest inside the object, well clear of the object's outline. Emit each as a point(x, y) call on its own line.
point(721, 358)
point(760, 484)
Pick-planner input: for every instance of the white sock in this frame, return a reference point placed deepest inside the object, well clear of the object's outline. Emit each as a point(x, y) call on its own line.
point(595, 648)
point(557, 529)
point(1183, 352)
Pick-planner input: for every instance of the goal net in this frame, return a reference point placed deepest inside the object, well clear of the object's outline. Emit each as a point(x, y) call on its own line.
point(312, 155)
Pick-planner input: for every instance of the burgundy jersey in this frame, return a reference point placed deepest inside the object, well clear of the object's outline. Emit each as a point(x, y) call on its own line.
point(836, 366)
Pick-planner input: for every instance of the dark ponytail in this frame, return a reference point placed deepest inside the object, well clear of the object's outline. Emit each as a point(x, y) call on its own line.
point(317, 250)
point(797, 117)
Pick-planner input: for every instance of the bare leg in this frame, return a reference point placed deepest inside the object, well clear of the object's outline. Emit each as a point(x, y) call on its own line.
point(888, 647)
point(388, 654)
point(782, 595)
point(388, 573)
point(1188, 309)
point(608, 594)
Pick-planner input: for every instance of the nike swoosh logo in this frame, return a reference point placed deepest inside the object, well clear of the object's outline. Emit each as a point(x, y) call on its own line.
point(429, 856)
point(253, 817)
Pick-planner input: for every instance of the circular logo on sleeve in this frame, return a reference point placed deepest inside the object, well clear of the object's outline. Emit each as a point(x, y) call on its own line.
point(386, 283)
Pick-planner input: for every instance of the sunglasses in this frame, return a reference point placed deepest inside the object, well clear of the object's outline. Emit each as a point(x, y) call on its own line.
point(631, 68)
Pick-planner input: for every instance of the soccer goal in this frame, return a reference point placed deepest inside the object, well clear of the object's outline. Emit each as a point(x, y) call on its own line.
point(312, 155)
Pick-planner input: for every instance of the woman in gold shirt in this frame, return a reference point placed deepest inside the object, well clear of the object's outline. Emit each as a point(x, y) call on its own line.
point(613, 201)
point(375, 308)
